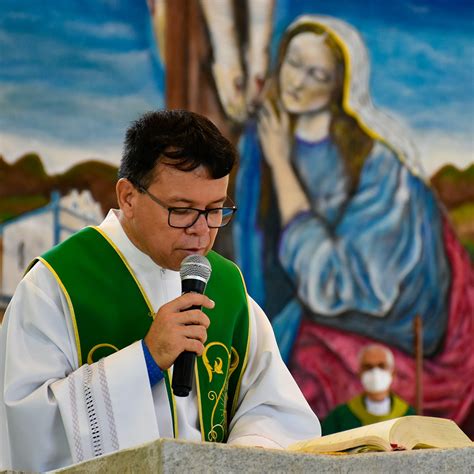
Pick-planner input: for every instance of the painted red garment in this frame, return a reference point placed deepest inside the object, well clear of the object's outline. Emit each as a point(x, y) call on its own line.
point(324, 360)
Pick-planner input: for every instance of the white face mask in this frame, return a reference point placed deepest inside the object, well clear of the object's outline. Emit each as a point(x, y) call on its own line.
point(376, 380)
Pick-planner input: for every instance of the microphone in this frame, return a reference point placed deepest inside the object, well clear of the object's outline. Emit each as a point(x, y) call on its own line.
point(195, 272)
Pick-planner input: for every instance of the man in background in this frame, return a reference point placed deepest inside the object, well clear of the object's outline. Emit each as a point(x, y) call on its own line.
point(377, 402)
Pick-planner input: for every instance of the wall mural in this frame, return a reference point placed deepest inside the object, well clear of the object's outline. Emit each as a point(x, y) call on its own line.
point(341, 234)
point(355, 185)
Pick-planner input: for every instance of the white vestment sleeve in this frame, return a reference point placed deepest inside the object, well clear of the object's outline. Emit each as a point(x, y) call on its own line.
point(108, 405)
point(272, 412)
point(55, 412)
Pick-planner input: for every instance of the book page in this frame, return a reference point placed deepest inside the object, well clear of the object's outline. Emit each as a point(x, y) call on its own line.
point(425, 431)
point(376, 434)
point(407, 432)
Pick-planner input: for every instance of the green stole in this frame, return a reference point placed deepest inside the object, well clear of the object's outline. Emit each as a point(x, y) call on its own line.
point(357, 406)
point(110, 310)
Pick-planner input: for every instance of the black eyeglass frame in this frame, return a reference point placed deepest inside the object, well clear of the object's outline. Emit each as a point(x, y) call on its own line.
point(205, 212)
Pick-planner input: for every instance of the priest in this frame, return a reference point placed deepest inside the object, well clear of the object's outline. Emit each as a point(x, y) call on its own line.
point(92, 332)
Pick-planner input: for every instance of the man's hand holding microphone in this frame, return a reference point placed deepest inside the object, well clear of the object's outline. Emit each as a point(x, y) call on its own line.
point(179, 330)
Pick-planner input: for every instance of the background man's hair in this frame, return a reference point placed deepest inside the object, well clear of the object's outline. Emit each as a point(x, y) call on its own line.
point(178, 138)
point(388, 354)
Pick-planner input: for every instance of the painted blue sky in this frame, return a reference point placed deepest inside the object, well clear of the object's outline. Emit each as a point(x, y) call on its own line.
point(73, 74)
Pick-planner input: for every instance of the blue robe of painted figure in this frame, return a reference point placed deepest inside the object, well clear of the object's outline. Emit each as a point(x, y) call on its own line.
point(366, 261)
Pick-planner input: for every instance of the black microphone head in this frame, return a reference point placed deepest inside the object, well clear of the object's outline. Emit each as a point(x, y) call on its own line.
point(195, 267)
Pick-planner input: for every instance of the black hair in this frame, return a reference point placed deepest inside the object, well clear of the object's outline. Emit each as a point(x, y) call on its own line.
point(178, 138)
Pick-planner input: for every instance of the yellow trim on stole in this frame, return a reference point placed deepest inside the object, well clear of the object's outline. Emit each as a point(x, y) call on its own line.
point(198, 392)
point(357, 406)
point(70, 306)
point(244, 366)
point(124, 260)
point(151, 313)
point(97, 346)
point(246, 358)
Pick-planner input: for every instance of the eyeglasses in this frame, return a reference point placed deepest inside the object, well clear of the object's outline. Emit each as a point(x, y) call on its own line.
point(184, 217)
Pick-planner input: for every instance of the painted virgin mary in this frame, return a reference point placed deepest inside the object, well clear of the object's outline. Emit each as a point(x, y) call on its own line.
point(341, 238)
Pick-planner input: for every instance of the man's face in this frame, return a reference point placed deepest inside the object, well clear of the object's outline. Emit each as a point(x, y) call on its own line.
point(146, 222)
point(372, 358)
point(376, 373)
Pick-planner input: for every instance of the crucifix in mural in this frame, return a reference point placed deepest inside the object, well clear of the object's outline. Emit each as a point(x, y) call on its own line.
point(354, 122)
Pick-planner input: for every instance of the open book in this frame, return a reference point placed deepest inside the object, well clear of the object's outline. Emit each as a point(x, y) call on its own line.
point(408, 432)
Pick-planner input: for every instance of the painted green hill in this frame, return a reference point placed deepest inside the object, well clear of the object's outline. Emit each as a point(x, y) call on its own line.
point(455, 188)
point(25, 184)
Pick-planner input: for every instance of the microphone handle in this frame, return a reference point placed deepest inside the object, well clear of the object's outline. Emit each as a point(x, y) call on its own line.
point(183, 371)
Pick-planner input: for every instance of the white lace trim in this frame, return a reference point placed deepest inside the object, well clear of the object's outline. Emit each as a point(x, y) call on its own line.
point(75, 419)
point(91, 410)
point(108, 405)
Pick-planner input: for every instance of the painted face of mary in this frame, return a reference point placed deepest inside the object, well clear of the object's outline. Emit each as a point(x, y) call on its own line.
point(308, 74)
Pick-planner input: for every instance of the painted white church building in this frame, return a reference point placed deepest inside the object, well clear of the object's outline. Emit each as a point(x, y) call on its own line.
point(31, 234)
